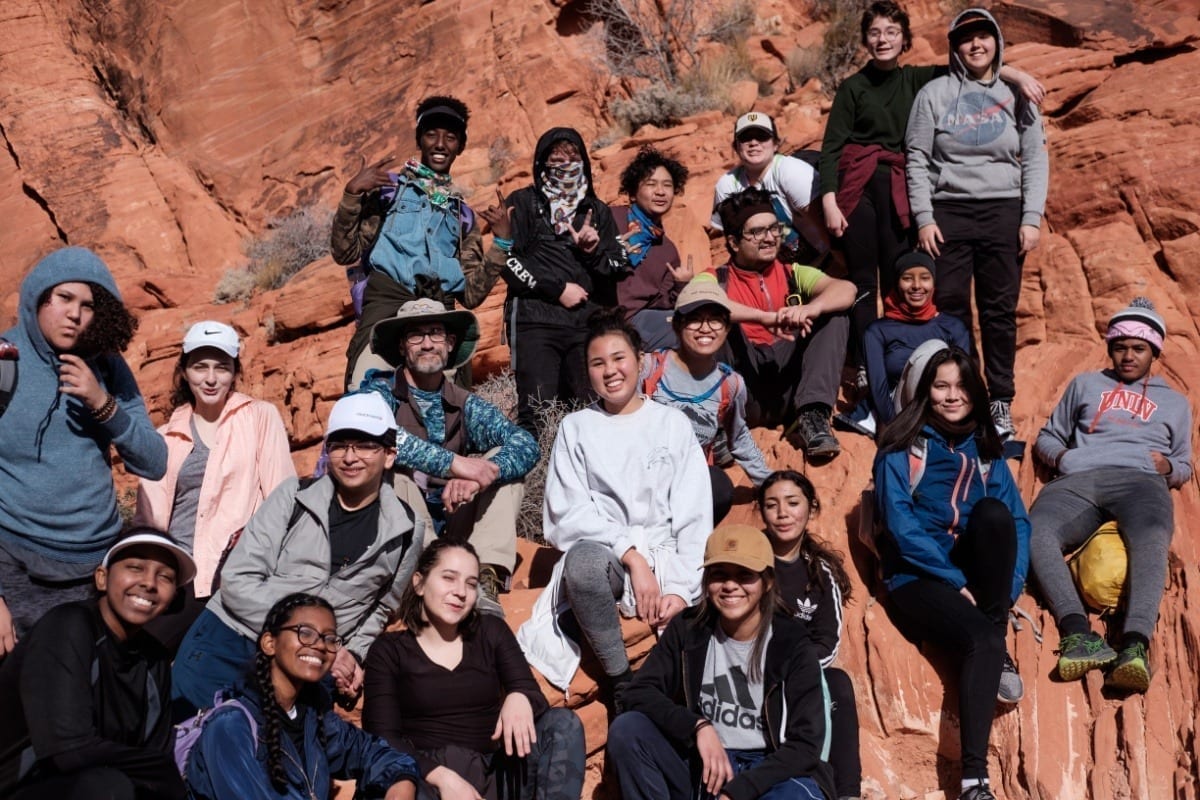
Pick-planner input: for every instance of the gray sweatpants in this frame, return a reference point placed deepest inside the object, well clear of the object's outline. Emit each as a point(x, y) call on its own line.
point(1069, 509)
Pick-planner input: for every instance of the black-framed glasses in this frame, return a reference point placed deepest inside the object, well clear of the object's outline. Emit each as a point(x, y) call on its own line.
point(309, 637)
point(712, 323)
point(340, 449)
point(758, 234)
point(416, 337)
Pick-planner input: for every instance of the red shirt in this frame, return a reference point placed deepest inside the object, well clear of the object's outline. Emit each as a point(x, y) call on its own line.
point(767, 291)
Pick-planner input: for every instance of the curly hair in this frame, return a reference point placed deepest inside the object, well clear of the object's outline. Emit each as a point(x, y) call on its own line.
point(278, 617)
point(455, 105)
point(892, 12)
point(181, 392)
point(813, 550)
point(733, 210)
point(112, 326)
point(411, 609)
point(642, 167)
point(611, 321)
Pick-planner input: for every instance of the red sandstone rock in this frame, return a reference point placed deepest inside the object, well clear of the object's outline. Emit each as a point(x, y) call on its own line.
point(163, 136)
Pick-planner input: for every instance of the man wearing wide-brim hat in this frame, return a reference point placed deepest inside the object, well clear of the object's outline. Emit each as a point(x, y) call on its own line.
point(421, 342)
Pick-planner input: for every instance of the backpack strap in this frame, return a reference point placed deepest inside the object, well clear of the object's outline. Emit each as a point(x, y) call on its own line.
point(650, 384)
point(918, 454)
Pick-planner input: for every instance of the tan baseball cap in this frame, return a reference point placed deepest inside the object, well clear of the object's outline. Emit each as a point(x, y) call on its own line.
point(701, 291)
point(743, 545)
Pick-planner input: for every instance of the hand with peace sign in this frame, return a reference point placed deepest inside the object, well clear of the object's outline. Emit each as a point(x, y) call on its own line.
point(499, 217)
point(370, 176)
point(587, 237)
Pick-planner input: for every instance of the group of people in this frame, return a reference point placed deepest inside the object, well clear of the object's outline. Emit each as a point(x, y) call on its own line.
point(243, 602)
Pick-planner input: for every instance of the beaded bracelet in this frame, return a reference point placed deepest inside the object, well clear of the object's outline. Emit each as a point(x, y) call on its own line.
point(504, 244)
point(105, 412)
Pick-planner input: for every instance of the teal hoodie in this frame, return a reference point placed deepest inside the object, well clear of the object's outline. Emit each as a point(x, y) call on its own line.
point(975, 140)
point(58, 506)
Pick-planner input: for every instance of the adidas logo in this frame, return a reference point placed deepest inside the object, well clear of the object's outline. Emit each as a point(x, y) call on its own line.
point(805, 609)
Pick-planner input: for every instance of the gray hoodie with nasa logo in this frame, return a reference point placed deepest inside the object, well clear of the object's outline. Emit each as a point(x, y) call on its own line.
point(975, 140)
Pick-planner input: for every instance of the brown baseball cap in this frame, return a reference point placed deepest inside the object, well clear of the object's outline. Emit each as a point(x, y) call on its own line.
point(743, 545)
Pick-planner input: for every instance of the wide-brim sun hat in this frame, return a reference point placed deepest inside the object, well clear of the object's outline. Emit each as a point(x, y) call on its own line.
point(387, 336)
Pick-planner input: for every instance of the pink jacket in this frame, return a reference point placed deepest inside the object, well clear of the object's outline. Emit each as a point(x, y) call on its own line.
point(249, 459)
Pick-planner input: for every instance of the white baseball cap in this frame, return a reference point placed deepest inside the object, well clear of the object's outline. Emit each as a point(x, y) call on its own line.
point(366, 412)
point(212, 334)
point(754, 119)
point(185, 567)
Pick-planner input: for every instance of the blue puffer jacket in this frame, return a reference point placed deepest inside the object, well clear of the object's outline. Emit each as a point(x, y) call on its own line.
point(227, 764)
point(923, 526)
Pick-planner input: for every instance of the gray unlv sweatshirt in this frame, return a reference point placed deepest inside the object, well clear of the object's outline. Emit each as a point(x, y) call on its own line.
point(970, 140)
point(1102, 422)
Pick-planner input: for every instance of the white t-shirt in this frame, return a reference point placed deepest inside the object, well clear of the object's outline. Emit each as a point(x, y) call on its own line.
point(792, 181)
point(728, 698)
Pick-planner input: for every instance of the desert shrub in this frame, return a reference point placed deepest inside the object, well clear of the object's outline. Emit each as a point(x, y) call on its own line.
point(661, 105)
point(529, 520)
point(288, 244)
point(237, 284)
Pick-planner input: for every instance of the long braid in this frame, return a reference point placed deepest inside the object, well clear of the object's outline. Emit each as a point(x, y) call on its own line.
point(276, 769)
point(277, 617)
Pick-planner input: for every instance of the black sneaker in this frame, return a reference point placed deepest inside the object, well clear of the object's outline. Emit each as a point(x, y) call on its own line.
point(980, 792)
point(490, 585)
point(811, 434)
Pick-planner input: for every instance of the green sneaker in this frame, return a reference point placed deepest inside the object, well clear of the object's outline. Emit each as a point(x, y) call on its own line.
point(1132, 670)
point(1080, 652)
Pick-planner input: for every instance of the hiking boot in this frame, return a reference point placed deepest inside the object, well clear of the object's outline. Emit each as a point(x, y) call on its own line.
point(1012, 688)
point(1080, 652)
point(1131, 672)
point(490, 585)
point(980, 792)
point(1002, 418)
point(811, 433)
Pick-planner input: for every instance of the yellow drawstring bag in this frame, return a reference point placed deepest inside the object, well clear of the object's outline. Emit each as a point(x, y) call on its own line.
point(1100, 567)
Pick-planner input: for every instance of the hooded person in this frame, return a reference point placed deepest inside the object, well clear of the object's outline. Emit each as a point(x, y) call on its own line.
point(977, 173)
point(75, 400)
point(422, 341)
point(1120, 440)
point(563, 260)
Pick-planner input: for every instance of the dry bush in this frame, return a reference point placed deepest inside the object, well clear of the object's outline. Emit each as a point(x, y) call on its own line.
point(549, 414)
point(804, 64)
point(661, 105)
point(501, 391)
point(237, 284)
point(288, 244)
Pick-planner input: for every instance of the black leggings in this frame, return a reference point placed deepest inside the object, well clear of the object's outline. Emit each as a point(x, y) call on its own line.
point(873, 240)
point(930, 610)
point(843, 739)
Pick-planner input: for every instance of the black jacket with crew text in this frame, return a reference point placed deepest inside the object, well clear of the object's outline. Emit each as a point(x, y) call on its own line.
point(543, 262)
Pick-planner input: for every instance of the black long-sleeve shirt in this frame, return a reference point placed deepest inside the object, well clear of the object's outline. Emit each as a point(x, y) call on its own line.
point(74, 696)
point(417, 705)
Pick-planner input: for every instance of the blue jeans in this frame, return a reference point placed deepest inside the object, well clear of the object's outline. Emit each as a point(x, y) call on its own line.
point(649, 767)
point(211, 657)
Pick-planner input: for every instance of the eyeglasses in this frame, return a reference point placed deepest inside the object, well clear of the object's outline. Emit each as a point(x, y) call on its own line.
point(874, 34)
point(416, 337)
point(310, 636)
point(712, 323)
point(340, 449)
point(759, 234)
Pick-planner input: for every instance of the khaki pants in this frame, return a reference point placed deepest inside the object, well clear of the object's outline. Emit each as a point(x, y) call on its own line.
point(488, 522)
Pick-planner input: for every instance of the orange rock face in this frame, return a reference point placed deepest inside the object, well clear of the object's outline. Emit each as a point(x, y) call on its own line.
point(163, 134)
